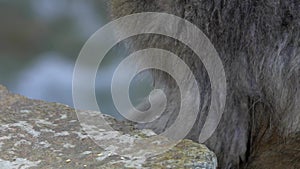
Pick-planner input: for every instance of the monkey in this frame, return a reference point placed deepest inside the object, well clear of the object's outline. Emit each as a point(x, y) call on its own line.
point(258, 42)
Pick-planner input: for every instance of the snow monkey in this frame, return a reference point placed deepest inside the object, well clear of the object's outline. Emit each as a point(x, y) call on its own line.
point(258, 42)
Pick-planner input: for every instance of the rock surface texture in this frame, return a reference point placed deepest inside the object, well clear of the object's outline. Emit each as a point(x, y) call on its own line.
point(37, 134)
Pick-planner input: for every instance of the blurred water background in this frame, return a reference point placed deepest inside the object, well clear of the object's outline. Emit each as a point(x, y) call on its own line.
point(40, 41)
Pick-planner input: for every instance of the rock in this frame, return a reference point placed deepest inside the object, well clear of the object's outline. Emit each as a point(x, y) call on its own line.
point(38, 134)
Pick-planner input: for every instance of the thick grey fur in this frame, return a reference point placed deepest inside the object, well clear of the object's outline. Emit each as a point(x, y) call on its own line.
point(259, 44)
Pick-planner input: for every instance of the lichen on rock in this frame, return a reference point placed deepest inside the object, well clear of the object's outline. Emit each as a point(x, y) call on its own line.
point(38, 134)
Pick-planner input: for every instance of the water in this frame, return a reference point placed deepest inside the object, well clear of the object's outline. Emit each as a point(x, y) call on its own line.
point(43, 68)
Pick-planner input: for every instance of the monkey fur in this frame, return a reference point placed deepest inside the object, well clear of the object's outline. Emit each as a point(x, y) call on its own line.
point(258, 42)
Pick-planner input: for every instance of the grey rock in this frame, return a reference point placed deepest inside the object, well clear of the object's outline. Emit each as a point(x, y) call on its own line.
point(38, 134)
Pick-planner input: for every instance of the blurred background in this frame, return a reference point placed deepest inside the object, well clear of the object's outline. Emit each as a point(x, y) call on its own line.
point(40, 41)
